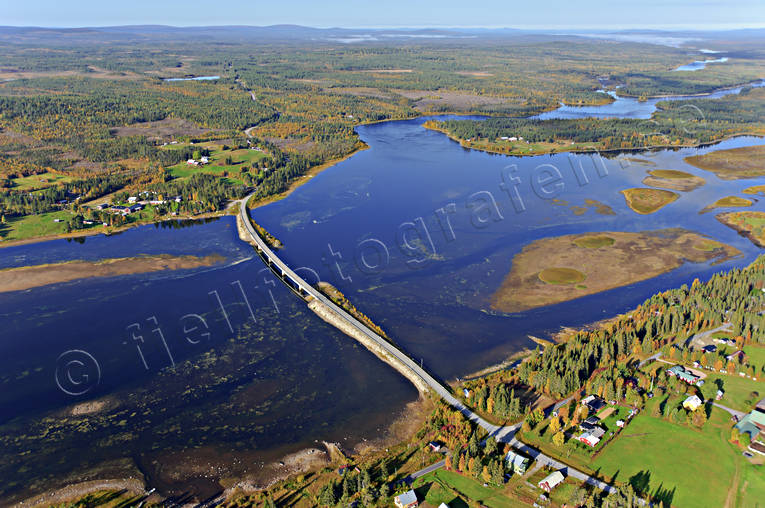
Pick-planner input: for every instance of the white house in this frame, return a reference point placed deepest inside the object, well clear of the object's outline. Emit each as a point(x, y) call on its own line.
point(406, 500)
point(692, 403)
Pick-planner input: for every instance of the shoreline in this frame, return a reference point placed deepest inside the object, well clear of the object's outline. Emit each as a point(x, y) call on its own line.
point(110, 232)
point(463, 144)
point(296, 183)
point(702, 94)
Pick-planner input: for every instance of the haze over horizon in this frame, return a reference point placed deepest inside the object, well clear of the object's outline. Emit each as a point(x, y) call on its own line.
point(552, 14)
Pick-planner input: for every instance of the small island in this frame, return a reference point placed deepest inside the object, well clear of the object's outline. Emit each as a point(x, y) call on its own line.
point(728, 202)
point(748, 224)
point(673, 180)
point(755, 190)
point(558, 269)
point(646, 201)
point(732, 164)
point(27, 277)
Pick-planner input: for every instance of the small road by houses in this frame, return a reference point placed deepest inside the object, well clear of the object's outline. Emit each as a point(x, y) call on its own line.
point(738, 414)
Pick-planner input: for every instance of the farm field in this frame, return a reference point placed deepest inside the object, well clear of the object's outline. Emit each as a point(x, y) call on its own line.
point(679, 464)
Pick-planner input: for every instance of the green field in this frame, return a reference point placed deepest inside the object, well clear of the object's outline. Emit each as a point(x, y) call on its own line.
point(241, 158)
point(462, 486)
point(28, 226)
point(738, 390)
point(35, 181)
point(680, 464)
point(756, 354)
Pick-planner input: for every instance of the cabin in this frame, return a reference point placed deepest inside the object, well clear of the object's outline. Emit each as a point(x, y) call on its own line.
point(406, 500)
point(551, 481)
point(435, 446)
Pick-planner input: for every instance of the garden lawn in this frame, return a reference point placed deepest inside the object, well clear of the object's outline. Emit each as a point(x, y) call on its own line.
point(28, 226)
point(471, 489)
point(738, 390)
point(756, 354)
point(691, 467)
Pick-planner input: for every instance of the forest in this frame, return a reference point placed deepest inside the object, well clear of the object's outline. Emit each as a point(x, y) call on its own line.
point(691, 122)
point(94, 107)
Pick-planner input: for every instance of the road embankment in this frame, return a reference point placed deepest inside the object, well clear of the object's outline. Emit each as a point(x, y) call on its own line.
point(332, 318)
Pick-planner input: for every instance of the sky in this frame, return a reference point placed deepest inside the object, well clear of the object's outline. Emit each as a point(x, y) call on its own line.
point(614, 14)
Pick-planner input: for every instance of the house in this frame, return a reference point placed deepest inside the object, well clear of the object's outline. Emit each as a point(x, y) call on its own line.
point(551, 481)
point(435, 446)
point(685, 375)
point(406, 500)
point(204, 160)
point(709, 349)
point(620, 423)
point(443, 505)
point(692, 403)
point(738, 356)
point(343, 469)
point(589, 439)
point(719, 395)
point(593, 403)
point(754, 425)
point(132, 199)
point(102, 206)
point(192, 162)
point(592, 420)
point(466, 393)
point(516, 462)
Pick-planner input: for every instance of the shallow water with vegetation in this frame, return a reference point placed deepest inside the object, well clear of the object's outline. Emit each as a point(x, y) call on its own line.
point(212, 372)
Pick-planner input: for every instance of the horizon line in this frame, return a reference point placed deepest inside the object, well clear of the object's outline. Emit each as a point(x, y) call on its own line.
point(656, 27)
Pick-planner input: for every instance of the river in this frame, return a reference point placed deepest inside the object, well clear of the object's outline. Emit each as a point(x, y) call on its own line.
point(213, 372)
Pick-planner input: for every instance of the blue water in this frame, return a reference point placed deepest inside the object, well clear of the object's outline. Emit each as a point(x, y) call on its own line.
point(197, 78)
point(700, 64)
point(271, 377)
point(629, 107)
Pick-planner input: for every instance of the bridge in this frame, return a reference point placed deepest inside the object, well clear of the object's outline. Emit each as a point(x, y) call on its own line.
point(308, 292)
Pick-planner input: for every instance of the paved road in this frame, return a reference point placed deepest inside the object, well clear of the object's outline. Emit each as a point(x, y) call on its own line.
point(701, 336)
point(429, 469)
point(504, 434)
point(733, 412)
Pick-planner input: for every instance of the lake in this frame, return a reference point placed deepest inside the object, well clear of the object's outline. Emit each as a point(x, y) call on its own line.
point(213, 372)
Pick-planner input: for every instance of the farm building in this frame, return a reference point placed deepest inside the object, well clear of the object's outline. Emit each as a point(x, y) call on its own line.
point(685, 375)
point(551, 481)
